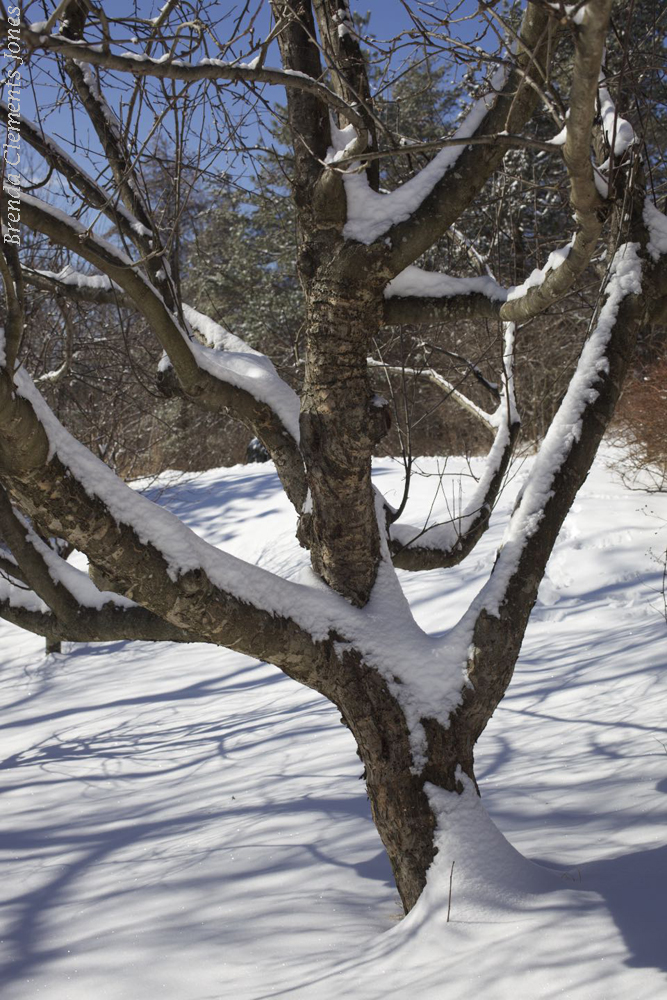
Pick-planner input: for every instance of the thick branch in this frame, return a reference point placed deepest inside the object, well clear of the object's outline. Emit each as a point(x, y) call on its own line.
point(67, 499)
point(203, 387)
point(416, 309)
point(526, 302)
point(10, 569)
point(32, 563)
point(497, 620)
point(67, 617)
point(418, 296)
point(110, 624)
point(308, 116)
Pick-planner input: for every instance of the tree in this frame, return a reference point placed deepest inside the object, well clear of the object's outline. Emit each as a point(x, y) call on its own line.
point(416, 704)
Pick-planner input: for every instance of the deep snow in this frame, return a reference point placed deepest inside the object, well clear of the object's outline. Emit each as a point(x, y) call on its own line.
point(185, 823)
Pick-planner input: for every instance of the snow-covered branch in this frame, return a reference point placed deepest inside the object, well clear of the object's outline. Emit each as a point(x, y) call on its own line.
point(448, 542)
point(497, 618)
point(545, 286)
point(148, 554)
point(60, 601)
point(656, 225)
point(64, 589)
point(414, 216)
point(110, 624)
point(76, 286)
point(418, 296)
point(241, 381)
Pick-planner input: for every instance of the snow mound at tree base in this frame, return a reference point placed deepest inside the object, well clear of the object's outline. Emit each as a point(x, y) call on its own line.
point(496, 926)
point(488, 874)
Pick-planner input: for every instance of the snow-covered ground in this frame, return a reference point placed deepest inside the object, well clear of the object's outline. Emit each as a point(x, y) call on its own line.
point(184, 823)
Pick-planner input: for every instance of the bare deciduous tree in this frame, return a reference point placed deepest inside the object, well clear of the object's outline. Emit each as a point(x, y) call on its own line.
point(416, 704)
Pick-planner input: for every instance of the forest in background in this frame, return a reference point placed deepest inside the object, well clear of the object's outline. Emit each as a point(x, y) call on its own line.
point(230, 236)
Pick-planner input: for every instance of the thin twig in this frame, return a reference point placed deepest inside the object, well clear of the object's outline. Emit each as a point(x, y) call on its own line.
point(449, 902)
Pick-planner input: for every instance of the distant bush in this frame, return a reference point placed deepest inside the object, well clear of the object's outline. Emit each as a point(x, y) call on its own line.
point(642, 424)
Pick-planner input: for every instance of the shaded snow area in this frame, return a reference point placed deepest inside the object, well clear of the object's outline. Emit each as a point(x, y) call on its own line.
point(185, 823)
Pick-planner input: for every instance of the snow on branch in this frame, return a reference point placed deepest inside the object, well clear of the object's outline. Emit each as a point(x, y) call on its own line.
point(448, 542)
point(414, 281)
point(240, 380)
point(45, 594)
point(545, 286)
point(619, 133)
point(79, 287)
point(182, 551)
point(62, 587)
point(565, 430)
point(418, 296)
point(656, 223)
point(231, 360)
point(23, 608)
point(371, 214)
point(223, 355)
point(42, 592)
point(422, 209)
point(153, 558)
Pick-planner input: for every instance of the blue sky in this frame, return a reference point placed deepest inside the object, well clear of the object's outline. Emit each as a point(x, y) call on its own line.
point(45, 100)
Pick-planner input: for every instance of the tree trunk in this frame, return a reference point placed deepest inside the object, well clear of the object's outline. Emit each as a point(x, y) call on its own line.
point(339, 428)
point(400, 805)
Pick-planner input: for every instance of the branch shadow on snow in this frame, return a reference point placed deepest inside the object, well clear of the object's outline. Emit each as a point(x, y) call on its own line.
point(221, 508)
point(157, 792)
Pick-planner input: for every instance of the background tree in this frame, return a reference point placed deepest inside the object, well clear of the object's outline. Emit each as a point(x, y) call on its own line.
point(416, 704)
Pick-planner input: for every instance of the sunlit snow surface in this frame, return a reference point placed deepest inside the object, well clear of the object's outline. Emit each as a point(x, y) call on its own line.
point(185, 823)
